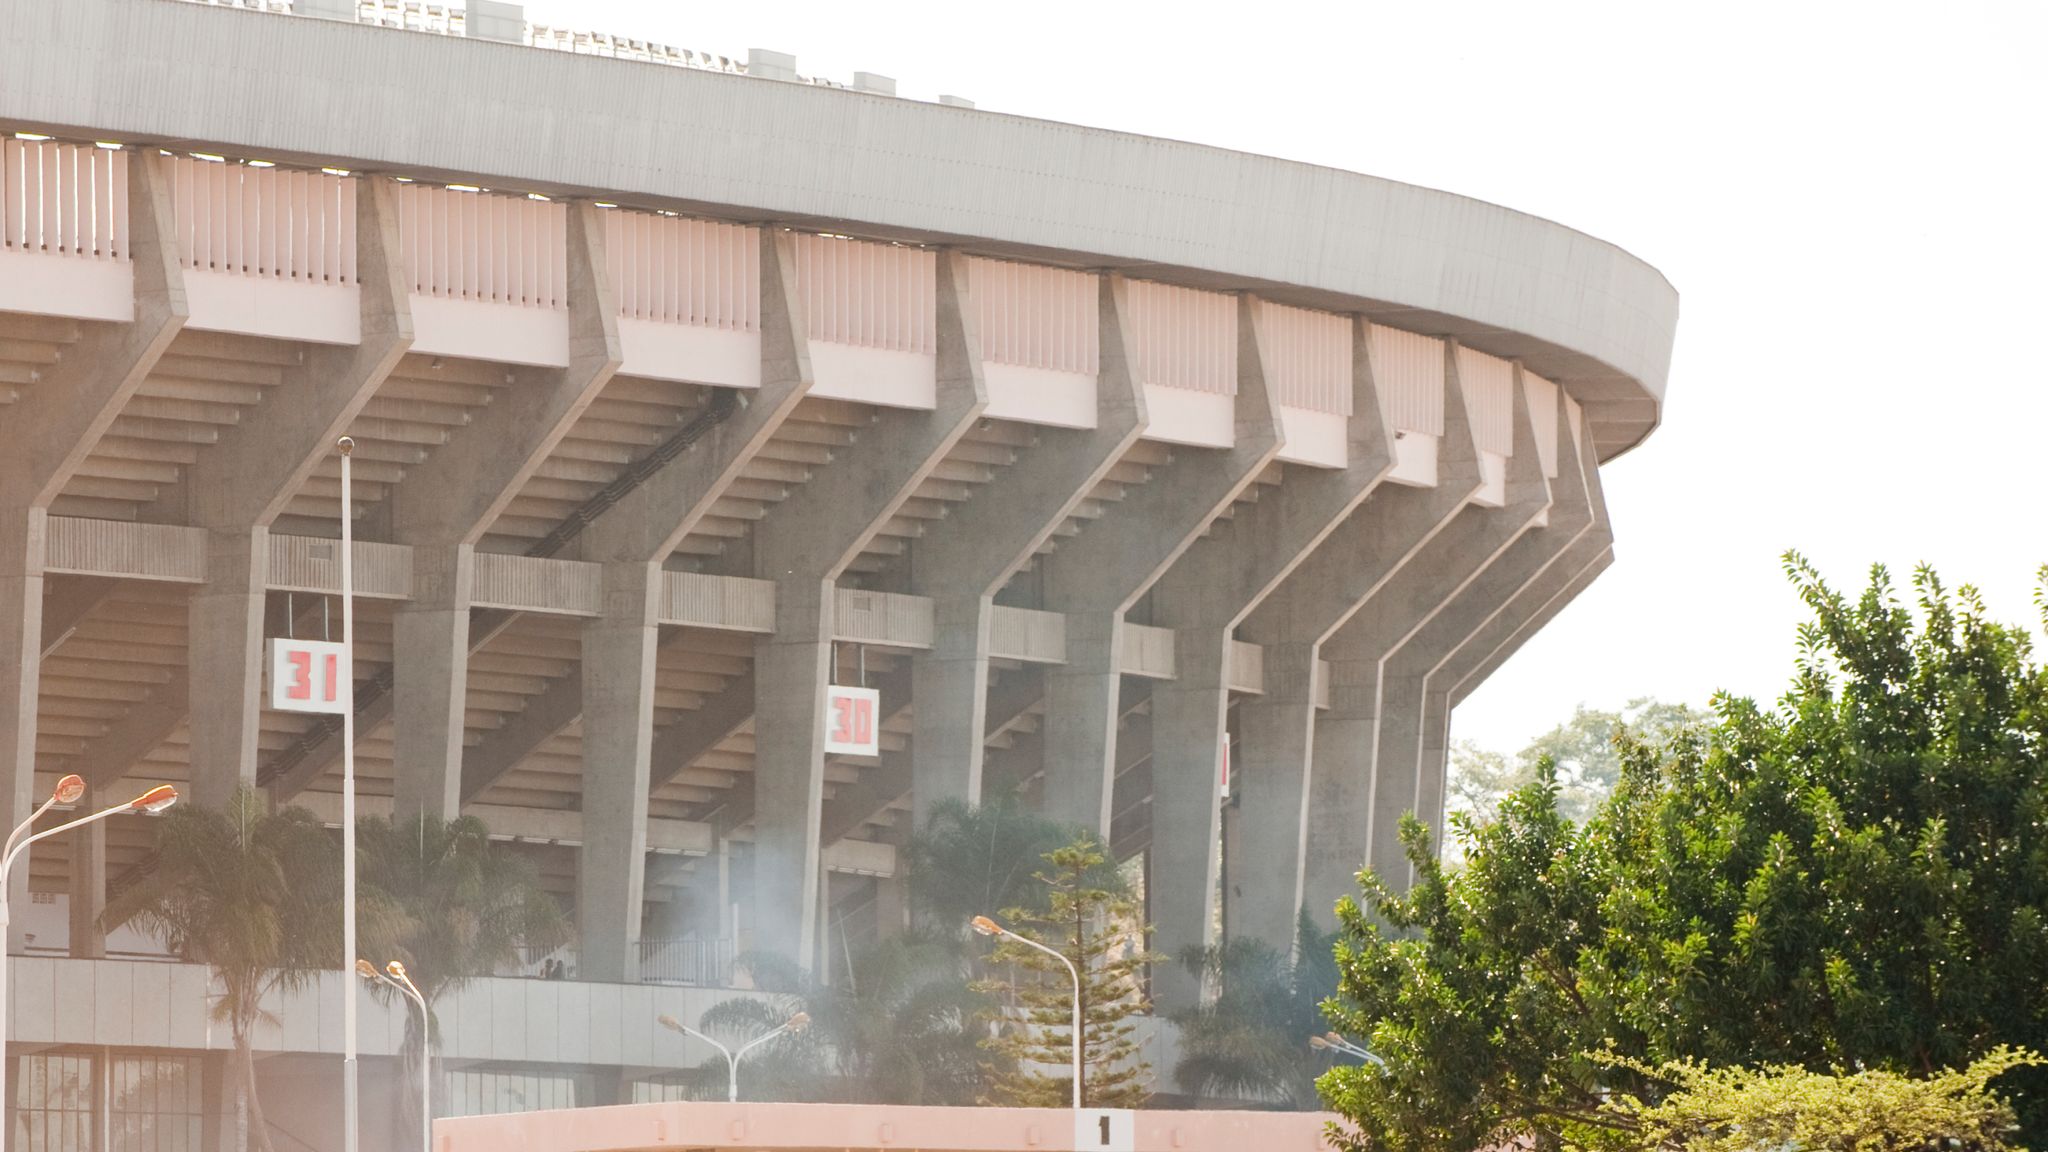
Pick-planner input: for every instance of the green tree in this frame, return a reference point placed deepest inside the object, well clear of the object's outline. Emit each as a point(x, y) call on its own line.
point(970, 861)
point(463, 907)
point(255, 896)
point(1088, 919)
point(1251, 1041)
point(1586, 750)
point(1856, 877)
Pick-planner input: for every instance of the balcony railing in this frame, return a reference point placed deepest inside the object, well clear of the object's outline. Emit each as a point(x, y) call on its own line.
point(699, 963)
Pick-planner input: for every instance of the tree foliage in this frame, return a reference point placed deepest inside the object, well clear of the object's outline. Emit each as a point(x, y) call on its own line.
point(970, 861)
point(1251, 1041)
point(462, 906)
point(254, 895)
point(1857, 877)
point(1088, 919)
point(1585, 749)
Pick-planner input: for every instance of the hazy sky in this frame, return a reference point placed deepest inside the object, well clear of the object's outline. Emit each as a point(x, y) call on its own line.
point(1850, 199)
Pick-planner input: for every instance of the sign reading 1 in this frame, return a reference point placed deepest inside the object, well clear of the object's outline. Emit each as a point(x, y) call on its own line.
point(307, 675)
point(853, 721)
point(1105, 1130)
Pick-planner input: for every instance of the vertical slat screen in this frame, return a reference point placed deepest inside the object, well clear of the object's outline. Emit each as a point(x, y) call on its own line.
point(1309, 353)
point(868, 295)
point(1037, 317)
point(484, 247)
point(63, 199)
point(274, 223)
point(680, 271)
point(1185, 338)
point(1409, 371)
point(1489, 384)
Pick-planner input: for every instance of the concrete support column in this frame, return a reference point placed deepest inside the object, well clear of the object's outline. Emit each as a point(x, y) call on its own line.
point(430, 653)
point(89, 881)
point(618, 736)
point(1188, 742)
point(21, 658)
point(1080, 731)
point(1340, 784)
point(950, 685)
point(791, 669)
point(1396, 776)
point(1436, 756)
point(1269, 777)
point(225, 622)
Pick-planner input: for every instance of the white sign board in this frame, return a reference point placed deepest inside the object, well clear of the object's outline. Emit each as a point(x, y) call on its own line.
point(307, 675)
point(853, 721)
point(1105, 1130)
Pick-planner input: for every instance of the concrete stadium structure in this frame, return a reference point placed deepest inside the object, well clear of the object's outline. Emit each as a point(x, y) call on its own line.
point(685, 389)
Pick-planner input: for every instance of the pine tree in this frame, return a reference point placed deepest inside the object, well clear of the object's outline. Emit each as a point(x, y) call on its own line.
point(1090, 920)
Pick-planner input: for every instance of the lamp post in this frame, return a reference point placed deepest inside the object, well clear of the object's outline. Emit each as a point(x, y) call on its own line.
point(394, 975)
point(1332, 1042)
point(68, 791)
point(793, 1025)
point(350, 1098)
point(988, 927)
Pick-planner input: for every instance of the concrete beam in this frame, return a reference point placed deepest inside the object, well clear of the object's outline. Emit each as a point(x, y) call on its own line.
point(964, 560)
point(618, 735)
point(67, 603)
point(1098, 575)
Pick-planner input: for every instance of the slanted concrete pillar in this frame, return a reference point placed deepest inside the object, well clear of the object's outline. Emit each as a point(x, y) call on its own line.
point(21, 658)
point(1340, 783)
point(962, 561)
point(225, 625)
point(618, 733)
point(430, 653)
point(1188, 742)
point(791, 669)
point(89, 881)
point(1269, 777)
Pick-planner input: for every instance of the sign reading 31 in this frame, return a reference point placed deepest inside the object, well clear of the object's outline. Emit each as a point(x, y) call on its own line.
point(307, 675)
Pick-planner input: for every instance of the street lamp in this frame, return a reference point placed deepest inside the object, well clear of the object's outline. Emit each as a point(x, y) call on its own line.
point(68, 791)
point(398, 979)
point(793, 1025)
point(988, 927)
point(1332, 1042)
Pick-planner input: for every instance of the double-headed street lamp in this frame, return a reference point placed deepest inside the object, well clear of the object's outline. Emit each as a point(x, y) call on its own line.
point(988, 927)
point(69, 790)
point(793, 1025)
point(1332, 1042)
point(394, 975)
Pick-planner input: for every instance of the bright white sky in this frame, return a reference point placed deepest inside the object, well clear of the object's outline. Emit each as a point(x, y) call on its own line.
point(1852, 199)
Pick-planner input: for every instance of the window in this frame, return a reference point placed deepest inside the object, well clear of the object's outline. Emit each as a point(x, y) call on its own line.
point(53, 1100)
point(154, 1104)
point(474, 1093)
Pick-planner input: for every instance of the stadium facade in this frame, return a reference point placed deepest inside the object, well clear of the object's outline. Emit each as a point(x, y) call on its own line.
point(1126, 473)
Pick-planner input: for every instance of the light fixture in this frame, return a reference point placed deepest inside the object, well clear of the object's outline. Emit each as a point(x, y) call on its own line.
point(155, 800)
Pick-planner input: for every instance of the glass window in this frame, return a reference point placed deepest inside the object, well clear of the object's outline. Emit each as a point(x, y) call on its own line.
point(155, 1104)
point(53, 1103)
point(486, 1092)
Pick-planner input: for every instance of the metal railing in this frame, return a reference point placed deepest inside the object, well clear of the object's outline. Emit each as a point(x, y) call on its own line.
point(698, 963)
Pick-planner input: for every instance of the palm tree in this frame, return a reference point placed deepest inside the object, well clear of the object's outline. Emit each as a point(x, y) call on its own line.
point(464, 906)
point(257, 897)
point(972, 861)
point(1251, 1041)
point(900, 1028)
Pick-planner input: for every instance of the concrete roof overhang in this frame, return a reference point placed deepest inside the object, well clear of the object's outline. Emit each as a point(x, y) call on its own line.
point(1572, 307)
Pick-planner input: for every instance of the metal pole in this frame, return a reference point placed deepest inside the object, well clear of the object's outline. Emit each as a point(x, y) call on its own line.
point(349, 1087)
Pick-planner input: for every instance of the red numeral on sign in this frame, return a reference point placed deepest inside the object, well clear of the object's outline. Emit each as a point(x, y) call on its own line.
point(333, 675)
point(302, 675)
point(853, 720)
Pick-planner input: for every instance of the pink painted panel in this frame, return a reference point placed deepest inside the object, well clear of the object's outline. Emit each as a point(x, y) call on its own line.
point(868, 295)
point(63, 199)
point(1037, 317)
point(1489, 384)
point(1185, 338)
point(272, 223)
point(675, 270)
point(1309, 354)
point(1409, 370)
point(484, 247)
point(1542, 397)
